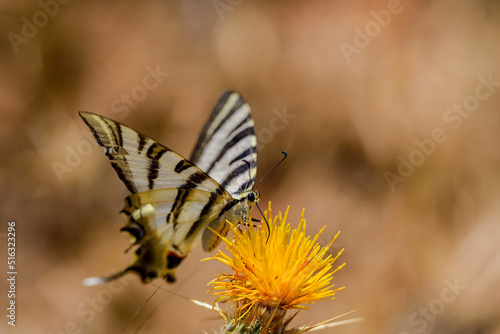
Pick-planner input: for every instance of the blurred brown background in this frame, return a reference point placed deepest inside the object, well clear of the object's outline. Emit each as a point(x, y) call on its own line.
point(389, 112)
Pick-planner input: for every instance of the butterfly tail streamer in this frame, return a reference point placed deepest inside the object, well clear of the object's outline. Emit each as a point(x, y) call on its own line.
point(93, 281)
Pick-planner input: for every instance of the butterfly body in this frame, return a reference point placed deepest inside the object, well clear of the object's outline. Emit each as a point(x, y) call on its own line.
point(173, 200)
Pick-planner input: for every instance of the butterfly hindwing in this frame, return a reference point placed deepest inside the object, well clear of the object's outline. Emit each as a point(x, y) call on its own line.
point(165, 235)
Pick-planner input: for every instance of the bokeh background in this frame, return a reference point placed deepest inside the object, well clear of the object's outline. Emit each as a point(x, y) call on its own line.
point(384, 107)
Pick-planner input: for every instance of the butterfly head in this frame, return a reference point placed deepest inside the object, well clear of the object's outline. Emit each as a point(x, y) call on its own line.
point(243, 206)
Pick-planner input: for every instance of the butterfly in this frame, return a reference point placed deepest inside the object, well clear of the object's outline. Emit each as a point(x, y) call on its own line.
point(175, 203)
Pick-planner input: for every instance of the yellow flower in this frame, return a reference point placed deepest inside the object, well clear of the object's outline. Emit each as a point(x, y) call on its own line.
point(273, 273)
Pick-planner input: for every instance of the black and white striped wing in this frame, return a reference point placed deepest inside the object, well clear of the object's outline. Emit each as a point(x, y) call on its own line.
point(140, 162)
point(172, 200)
point(227, 146)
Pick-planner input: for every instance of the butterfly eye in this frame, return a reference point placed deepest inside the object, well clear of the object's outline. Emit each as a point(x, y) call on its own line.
point(251, 197)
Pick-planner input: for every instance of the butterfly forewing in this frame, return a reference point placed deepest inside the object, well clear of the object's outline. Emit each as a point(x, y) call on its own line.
point(140, 162)
point(226, 142)
point(227, 150)
point(173, 200)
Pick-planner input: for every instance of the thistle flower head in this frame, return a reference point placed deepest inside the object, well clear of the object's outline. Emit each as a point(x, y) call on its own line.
point(273, 273)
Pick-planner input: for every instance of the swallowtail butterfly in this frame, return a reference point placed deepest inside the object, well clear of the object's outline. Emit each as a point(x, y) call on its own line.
point(173, 200)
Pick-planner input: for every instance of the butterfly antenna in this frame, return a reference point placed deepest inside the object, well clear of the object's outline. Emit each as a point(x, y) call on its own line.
point(285, 155)
point(249, 172)
point(267, 224)
point(257, 204)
